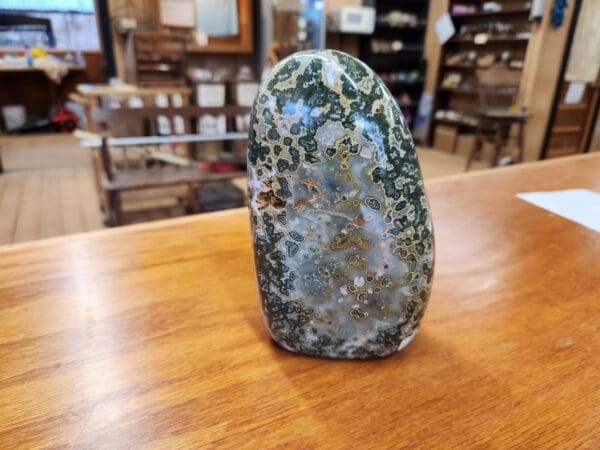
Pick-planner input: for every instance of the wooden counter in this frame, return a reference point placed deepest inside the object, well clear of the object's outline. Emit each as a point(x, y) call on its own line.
point(32, 88)
point(151, 336)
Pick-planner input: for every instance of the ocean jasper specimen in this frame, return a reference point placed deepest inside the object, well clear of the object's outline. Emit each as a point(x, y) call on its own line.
point(343, 241)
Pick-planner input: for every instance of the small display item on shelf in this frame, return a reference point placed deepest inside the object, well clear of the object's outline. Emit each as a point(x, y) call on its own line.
point(456, 116)
point(452, 80)
point(405, 100)
point(385, 46)
point(245, 92)
point(399, 19)
point(242, 122)
point(462, 58)
point(212, 124)
point(516, 64)
point(473, 59)
point(491, 7)
point(486, 60)
point(492, 29)
point(210, 94)
point(460, 8)
point(402, 76)
point(406, 104)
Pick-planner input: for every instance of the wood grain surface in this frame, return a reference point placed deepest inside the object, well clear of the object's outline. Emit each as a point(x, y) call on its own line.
point(151, 336)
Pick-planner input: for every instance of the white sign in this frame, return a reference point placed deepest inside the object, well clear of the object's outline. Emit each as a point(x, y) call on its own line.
point(579, 205)
point(444, 28)
point(574, 92)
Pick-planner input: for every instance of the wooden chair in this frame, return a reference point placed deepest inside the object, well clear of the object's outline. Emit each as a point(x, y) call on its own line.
point(498, 88)
point(141, 162)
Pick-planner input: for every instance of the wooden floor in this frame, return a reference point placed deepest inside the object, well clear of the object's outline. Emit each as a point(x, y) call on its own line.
point(47, 188)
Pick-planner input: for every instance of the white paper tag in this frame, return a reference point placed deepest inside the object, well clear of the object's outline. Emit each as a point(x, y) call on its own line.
point(480, 38)
point(574, 92)
point(201, 38)
point(179, 125)
point(246, 92)
point(135, 102)
point(444, 28)
point(209, 124)
point(161, 100)
point(176, 100)
point(164, 127)
point(209, 94)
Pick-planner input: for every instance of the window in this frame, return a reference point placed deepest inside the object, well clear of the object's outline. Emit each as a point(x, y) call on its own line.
point(73, 24)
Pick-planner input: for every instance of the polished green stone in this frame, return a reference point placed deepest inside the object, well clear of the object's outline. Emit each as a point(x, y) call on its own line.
point(342, 232)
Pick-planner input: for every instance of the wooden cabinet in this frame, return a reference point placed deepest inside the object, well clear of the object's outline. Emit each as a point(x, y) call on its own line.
point(483, 38)
point(395, 51)
point(154, 59)
point(570, 129)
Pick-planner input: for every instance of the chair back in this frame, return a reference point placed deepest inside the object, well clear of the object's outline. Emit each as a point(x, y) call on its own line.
point(498, 87)
point(153, 121)
point(156, 121)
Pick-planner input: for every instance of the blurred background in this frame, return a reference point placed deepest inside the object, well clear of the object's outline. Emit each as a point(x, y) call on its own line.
point(124, 111)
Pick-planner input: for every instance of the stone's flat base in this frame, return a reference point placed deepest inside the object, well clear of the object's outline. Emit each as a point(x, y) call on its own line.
point(407, 340)
point(401, 347)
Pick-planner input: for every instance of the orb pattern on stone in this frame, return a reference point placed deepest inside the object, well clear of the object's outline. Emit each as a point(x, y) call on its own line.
point(342, 232)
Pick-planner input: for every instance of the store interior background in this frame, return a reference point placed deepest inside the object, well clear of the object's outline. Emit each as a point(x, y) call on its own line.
point(49, 180)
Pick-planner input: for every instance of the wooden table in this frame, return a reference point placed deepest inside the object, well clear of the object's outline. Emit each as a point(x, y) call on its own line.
point(53, 86)
point(151, 336)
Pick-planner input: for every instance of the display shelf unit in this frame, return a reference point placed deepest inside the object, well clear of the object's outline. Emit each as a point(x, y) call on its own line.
point(518, 11)
point(401, 67)
point(154, 59)
point(504, 37)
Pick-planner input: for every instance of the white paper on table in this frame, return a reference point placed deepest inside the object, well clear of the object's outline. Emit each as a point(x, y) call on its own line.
point(579, 205)
point(444, 28)
point(574, 92)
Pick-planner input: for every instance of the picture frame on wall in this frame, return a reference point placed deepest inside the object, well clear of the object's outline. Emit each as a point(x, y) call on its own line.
point(242, 42)
point(217, 18)
point(223, 39)
point(177, 13)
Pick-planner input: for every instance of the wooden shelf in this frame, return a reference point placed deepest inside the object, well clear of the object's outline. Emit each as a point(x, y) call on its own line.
point(404, 84)
point(455, 122)
point(458, 90)
point(172, 139)
point(419, 27)
point(491, 40)
point(193, 48)
point(460, 66)
point(505, 12)
point(574, 107)
point(561, 151)
point(566, 129)
point(72, 68)
point(470, 67)
point(409, 58)
point(407, 49)
point(399, 3)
